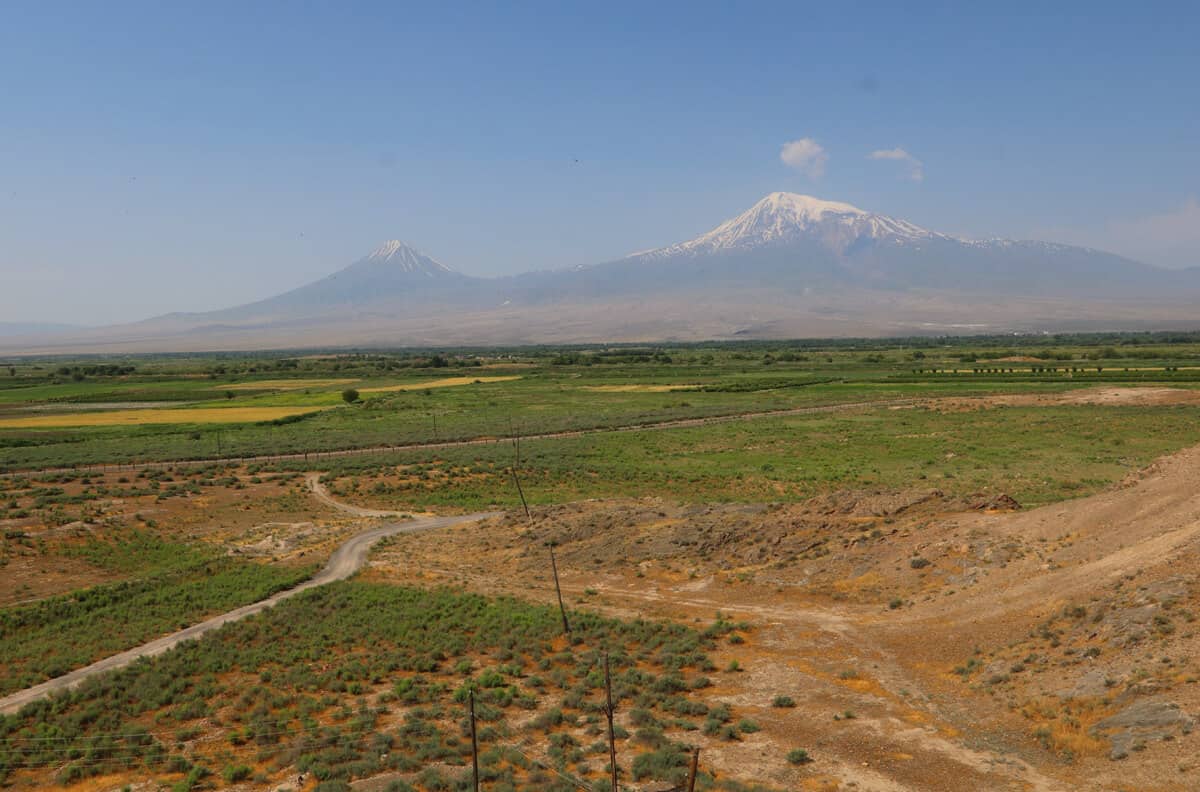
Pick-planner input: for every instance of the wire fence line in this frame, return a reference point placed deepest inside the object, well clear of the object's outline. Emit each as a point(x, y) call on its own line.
point(116, 467)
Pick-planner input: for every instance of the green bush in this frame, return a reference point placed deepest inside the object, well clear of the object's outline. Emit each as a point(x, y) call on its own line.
point(798, 756)
point(234, 773)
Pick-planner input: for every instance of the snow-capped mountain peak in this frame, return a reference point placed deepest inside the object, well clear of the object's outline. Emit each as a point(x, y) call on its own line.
point(800, 208)
point(781, 218)
point(402, 258)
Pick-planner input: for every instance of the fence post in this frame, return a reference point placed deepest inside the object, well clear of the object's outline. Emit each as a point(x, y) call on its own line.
point(474, 747)
point(608, 712)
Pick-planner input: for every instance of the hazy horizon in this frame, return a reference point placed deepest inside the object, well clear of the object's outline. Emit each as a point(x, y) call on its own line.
point(164, 159)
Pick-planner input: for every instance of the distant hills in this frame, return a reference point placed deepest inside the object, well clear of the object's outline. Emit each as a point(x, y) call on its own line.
point(13, 329)
point(791, 265)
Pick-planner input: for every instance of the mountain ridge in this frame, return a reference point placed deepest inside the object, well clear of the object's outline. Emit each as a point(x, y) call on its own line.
point(789, 264)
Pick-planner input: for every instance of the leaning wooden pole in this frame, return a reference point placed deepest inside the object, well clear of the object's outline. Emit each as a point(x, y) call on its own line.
point(691, 785)
point(513, 469)
point(608, 712)
point(521, 492)
point(474, 747)
point(562, 609)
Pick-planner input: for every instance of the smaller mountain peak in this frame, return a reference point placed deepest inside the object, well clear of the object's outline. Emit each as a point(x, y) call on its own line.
point(400, 256)
point(389, 249)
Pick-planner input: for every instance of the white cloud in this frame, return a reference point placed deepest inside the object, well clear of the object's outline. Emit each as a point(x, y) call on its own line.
point(1168, 239)
point(916, 169)
point(805, 155)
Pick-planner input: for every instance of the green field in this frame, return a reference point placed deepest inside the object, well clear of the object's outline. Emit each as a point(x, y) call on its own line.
point(556, 391)
point(169, 586)
point(1034, 454)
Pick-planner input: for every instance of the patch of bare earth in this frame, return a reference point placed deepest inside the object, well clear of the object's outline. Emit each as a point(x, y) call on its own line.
point(268, 517)
point(1103, 396)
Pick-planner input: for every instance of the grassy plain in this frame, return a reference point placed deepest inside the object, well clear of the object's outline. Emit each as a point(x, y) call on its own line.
point(1034, 454)
point(293, 405)
point(366, 678)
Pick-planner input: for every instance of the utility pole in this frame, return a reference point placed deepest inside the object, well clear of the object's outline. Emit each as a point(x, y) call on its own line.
point(608, 712)
point(516, 443)
point(474, 748)
point(558, 590)
point(513, 469)
point(433, 415)
point(521, 492)
point(691, 786)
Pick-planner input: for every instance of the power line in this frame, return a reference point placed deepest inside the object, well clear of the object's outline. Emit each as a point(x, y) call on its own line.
point(569, 779)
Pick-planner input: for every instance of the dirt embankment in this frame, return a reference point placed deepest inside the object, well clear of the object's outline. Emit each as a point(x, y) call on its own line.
point(929, 643)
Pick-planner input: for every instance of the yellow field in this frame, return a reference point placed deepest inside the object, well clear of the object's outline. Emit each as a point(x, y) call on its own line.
point(289, 384)
point(638, 388)
point(449, 382)
point(153, 416)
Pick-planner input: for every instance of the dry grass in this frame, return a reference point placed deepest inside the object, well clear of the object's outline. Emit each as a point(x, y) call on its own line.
point(289, 384)
point(448, 382)
point(1065, 727)
point(638, 388)
point(154, 416)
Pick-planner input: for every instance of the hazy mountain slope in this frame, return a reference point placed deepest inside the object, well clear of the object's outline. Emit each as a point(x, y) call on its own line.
point(790, 265)
point(797, 244)
point(393, 274)
point(804, 241)
point(11, 329)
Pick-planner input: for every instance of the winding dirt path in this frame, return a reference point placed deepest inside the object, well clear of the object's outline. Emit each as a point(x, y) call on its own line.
point(344, 562)
point(322, 494)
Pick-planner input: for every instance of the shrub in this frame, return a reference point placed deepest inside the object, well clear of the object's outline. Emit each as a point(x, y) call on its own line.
point(783, 701)
point(235, 773)
point(665, 764)
point(798, 756)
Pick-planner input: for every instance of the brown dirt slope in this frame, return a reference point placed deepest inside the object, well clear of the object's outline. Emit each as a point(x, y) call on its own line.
point(928, 643)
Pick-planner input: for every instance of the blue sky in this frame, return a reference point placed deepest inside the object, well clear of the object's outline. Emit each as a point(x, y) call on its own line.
point(169, 156)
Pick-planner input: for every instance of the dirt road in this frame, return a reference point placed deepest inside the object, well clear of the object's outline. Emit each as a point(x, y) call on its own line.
point(322, 494)
point(345, 561)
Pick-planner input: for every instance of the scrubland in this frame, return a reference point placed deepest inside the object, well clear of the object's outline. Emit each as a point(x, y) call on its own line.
point(888, 565)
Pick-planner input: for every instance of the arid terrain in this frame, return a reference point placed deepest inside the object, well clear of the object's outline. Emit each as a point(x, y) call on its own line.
point(928, 642)
point(976, 604)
